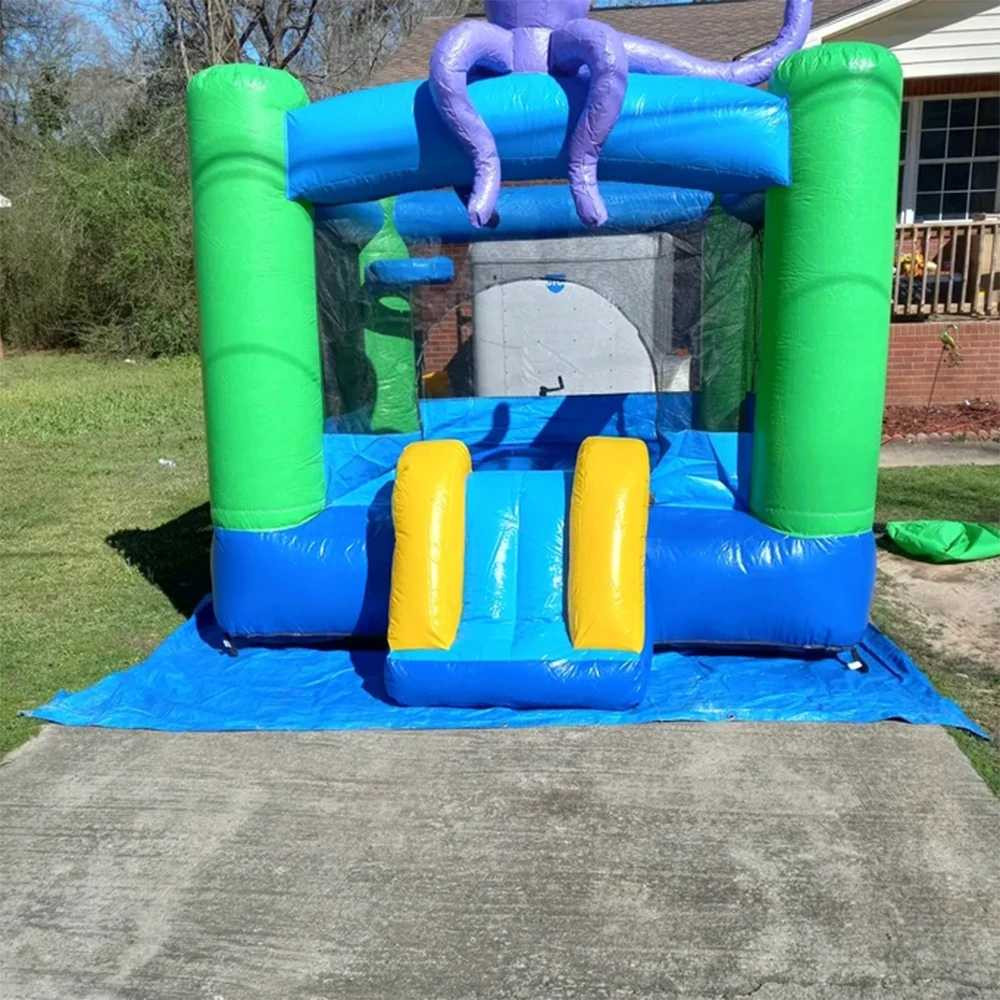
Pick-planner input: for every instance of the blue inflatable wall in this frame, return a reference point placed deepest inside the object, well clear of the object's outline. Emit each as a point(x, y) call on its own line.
point(716, 575)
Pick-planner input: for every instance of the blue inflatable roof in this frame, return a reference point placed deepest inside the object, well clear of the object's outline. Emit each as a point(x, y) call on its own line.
point(539, 212)
point(704, 135)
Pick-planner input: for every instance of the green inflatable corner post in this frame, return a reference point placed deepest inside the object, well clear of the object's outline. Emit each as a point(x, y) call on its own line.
point(257, 300)
point(388, 337)
point(828, 247)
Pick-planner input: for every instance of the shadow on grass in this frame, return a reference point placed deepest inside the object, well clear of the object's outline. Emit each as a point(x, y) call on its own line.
point(173, 556)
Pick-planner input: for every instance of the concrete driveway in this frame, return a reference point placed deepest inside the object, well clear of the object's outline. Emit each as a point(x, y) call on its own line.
point(716, 861)
point(901, 453)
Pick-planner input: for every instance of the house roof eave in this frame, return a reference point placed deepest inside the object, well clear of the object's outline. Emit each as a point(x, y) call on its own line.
point(873, 11)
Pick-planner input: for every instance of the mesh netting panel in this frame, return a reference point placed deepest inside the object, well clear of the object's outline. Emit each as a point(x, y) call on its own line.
point(667, 312)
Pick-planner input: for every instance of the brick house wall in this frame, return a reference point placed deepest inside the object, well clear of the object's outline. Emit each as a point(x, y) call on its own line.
point(442, 314)
point(915, 350)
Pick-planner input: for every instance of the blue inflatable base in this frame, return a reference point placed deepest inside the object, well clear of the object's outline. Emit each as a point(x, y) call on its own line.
point(716, 575)
point(190, 684)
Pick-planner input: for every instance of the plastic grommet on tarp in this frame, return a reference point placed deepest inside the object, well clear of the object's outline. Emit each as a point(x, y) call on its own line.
point(946, 541)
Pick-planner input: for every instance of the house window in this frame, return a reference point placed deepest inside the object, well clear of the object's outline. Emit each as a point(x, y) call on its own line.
point(903, 145)
point(949, 158)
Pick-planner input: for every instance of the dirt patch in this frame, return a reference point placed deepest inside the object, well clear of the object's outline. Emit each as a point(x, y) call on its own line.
point(958, 603)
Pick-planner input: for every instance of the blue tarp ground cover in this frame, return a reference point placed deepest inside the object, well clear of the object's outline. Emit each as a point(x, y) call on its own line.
point(190, 684)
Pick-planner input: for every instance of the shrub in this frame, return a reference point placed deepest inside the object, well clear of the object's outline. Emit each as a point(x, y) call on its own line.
point(97, 252)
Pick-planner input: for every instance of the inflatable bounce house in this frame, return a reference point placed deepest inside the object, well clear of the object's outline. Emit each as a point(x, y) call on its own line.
point(529, 549)
point(544, 391)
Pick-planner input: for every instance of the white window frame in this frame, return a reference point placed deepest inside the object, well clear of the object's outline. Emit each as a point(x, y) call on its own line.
point(914, 109)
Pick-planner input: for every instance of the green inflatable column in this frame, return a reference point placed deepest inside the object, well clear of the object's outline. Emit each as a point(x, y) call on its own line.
point(389, 337)
point(257, 300)
point(828, 247)
point(730, 320)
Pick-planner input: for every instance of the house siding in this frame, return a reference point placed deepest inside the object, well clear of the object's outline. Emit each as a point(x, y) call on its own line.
point(937, 37)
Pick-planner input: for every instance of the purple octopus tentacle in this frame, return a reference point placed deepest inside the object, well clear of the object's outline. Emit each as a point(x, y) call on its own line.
point(473, 43)
point(646, 56)
point(548, 14)
point(599, 48)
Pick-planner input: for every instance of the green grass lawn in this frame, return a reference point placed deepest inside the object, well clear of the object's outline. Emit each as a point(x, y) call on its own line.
point(973, 684)
point(80, 486)
point(961, 493)
point(947, 493)
point(105, 550)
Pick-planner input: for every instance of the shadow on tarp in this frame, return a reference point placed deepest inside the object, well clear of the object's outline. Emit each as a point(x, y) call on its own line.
point(367, 655)
point(190, 684)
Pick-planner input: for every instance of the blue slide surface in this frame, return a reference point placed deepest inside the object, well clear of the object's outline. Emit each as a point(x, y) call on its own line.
point(513, 647)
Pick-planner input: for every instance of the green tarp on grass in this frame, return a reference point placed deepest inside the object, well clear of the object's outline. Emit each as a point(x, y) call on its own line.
point(946, 541)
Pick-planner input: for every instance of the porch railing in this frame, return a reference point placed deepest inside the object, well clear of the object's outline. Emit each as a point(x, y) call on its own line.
point(947, 268)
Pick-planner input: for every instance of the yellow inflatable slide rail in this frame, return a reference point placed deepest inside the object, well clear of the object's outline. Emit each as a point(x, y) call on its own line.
point(428, 564)
point(609, 516)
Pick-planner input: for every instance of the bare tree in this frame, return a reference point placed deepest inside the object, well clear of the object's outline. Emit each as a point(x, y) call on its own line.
point(60, 48)
point(332, 45)
point(36, 36)
point(116, 55)
point(205, 31)
point(283, 26)
point(355, 38)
